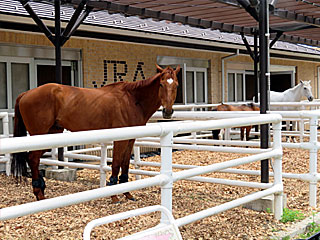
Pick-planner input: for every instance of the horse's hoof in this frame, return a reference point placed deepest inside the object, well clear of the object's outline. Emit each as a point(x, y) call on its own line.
point(40, 198)
point(130, 197)
point(115, 199)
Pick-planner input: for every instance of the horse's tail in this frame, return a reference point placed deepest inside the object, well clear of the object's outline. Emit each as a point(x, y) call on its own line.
point(18, 161)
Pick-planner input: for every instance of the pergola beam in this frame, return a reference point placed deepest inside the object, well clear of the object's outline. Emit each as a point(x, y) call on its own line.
point(40, 24)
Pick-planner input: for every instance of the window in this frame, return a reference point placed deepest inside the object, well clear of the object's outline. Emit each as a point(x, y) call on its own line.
point(15, 77)
point(195, 85)
point(18, 75)
point(3, 84)
point(45, 72)
point(236, 86)
point(241, 84)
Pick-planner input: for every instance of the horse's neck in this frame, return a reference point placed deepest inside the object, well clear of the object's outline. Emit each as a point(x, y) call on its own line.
point(146, 93)
point(293, 94)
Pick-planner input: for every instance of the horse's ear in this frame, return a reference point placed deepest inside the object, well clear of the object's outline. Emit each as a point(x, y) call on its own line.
point(160, 69)
point(178, 68)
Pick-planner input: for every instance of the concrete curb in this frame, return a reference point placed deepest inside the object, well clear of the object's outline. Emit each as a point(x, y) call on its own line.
point(296, 229)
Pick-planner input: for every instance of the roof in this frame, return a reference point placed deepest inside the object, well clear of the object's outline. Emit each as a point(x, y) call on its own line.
point(298, 19)
point(165, 27)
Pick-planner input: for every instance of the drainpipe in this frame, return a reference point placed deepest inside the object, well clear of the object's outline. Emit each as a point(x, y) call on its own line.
point(222, 71)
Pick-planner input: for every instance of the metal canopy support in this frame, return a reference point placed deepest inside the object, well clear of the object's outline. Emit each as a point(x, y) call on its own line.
point(57, 44)
point(38, 21)
point(75, 21)
point(264, 82)
point(279, 34)
point(59, 38)
point(255, 67)
point(251, 10)
point(244, 39)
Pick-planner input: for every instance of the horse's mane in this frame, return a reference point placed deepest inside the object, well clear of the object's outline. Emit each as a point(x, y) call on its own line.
point(132, 86)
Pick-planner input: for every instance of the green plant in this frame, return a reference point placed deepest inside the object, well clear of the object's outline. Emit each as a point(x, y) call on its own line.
point(286, 238)
point(291, 215)
point(312, 228)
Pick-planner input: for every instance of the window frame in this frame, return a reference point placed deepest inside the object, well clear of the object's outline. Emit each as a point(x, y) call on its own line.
point(8, 61)
point(236, 72)
point(64, 63)
point(184, 87)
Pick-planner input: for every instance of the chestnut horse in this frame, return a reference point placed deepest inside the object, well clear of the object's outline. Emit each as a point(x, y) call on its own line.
point(243, 107)
point(51, 108)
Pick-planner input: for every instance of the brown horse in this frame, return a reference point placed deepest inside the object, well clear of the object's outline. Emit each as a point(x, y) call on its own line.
point(51, 108)
point(243, 107)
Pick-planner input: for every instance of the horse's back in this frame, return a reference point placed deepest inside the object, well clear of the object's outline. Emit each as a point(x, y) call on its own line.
point(226, 107)
point(276, 96)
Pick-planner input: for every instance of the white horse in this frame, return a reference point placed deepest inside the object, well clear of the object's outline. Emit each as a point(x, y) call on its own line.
point(295, 94)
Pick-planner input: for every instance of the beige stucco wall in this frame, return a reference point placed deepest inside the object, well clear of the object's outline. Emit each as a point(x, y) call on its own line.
point(97, 53)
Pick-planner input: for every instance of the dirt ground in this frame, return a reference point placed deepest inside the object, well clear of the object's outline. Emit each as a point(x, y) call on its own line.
point(188, 197)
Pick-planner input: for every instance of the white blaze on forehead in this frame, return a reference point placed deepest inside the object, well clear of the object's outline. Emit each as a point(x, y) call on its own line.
point(170, 80)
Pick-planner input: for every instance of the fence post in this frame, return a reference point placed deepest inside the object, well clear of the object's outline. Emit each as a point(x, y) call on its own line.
point(313, 161)
point(54, 155)
point(194, 134)
point(103, 162)
point(301, 129)
point(166, 142)
point(137, 160)
point(5, 122)
point(278, 197)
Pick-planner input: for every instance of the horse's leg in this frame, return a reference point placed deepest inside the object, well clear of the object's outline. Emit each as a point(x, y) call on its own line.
point(38, 182)
point(294, 128)
point(248, 129)
point(215, 134)
point(124, 177)
point(288, 129)
point(242, 133)
point(119, 149)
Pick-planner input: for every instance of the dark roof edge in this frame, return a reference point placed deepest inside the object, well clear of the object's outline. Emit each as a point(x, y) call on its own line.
point(173, 42)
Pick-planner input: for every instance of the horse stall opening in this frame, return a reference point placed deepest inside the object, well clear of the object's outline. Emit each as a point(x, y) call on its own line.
point(166, 177)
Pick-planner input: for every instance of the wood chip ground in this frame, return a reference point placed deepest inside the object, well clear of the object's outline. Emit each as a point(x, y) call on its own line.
point(188, 197)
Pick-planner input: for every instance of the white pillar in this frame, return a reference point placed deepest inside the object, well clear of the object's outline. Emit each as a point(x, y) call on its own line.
point(278, 197)
point(103, 162)
point(54, 155)
point(313, 161)
point(301, 128)
point(166, 142)
point(137, 159)
point(5, 122)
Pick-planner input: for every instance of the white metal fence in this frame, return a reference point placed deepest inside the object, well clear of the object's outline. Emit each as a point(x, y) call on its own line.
point(4, 117)
point(309, 117)
point(166, 177)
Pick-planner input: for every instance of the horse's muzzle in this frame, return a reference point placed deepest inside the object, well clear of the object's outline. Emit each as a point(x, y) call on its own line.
point(310, 99)
point(167, 114)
